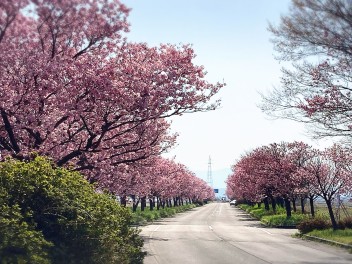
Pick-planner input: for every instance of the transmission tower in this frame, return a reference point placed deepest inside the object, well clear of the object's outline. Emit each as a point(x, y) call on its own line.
point(210, 176)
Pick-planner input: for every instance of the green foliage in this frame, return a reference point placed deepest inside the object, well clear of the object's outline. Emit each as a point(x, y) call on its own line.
point(282, 220)
point(246, 207)
point(310, 224)
point(259, 212)
point(141, 217)
point(271, 218)
point(341, 236)
point(57, 217)
point(20, 242)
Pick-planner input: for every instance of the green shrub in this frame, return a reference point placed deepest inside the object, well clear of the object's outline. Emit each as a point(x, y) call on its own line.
point(345, 223)
point(282, 220)
point(311, 224)
point(20, 242)
point(62, 217)
point(163, 213)
point(258, 213)
point(138, 219)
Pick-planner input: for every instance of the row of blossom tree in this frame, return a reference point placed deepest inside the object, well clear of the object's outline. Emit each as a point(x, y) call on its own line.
point(290, 171)
point(164, 182)
point(74, 89)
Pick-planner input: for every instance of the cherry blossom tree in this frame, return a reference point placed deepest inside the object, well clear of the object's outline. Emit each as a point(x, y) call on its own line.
point(242, 183)
point(286, 170)
point(80, 93)
point(161, 181)
point(270, 173)
point(315, 37)
point(329, 173)
point(298, 154)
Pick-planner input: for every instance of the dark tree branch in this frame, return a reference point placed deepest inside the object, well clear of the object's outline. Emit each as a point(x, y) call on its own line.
point(10, 132)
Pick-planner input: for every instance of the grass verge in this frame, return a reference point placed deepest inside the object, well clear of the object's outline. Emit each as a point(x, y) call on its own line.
point(340, 236)
point(282, 220)
point(143, 217)
point(271, 218)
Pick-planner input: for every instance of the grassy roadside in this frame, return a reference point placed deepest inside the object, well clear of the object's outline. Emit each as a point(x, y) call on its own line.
point(279, 219)
point(340, 236)
point(143, 217)
point(271, 218)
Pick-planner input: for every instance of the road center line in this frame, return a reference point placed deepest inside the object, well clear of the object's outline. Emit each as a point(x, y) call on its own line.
point(210, 228)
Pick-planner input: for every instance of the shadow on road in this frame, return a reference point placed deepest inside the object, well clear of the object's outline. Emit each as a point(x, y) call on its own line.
point(148, 238)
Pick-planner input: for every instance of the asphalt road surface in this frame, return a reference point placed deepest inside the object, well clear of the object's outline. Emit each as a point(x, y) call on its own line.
point(220, 233)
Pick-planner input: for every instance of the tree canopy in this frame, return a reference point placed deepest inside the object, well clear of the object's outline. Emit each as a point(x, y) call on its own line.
point(79, 92)
point(315, 39)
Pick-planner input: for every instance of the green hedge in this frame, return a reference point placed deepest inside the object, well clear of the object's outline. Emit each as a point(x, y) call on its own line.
point(52, 215)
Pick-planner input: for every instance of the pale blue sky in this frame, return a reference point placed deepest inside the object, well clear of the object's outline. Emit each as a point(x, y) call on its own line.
point(231, 40)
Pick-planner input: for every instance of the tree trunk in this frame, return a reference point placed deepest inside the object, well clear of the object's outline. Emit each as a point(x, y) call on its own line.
point(266, 203)
point(287, 207)
point(302, 206)
point(158, 203)
point(273, 204)
point(123, 201)
point(151, 204)
point(294, 204)
point(311, 202)
point(280, 201)
point(331, 213)
point(143, 203)
point(134, 203)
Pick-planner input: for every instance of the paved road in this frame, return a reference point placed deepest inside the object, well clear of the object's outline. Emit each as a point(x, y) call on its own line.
point(220, 233)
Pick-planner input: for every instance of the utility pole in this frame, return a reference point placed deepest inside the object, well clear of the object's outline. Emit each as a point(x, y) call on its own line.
point(210, 176)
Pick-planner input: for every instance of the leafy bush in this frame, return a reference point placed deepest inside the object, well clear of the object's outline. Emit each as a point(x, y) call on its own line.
point(163, 213)
point(20, 242)
point(311, 224)
point(57, 217)
point(282, 220)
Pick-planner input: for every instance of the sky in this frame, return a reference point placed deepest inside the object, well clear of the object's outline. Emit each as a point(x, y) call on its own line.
point(231, 41)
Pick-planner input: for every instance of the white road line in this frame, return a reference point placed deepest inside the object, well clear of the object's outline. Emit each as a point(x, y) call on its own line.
point(266, 231)
point(220, 209)
point(152, 233)
point(210, 228)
